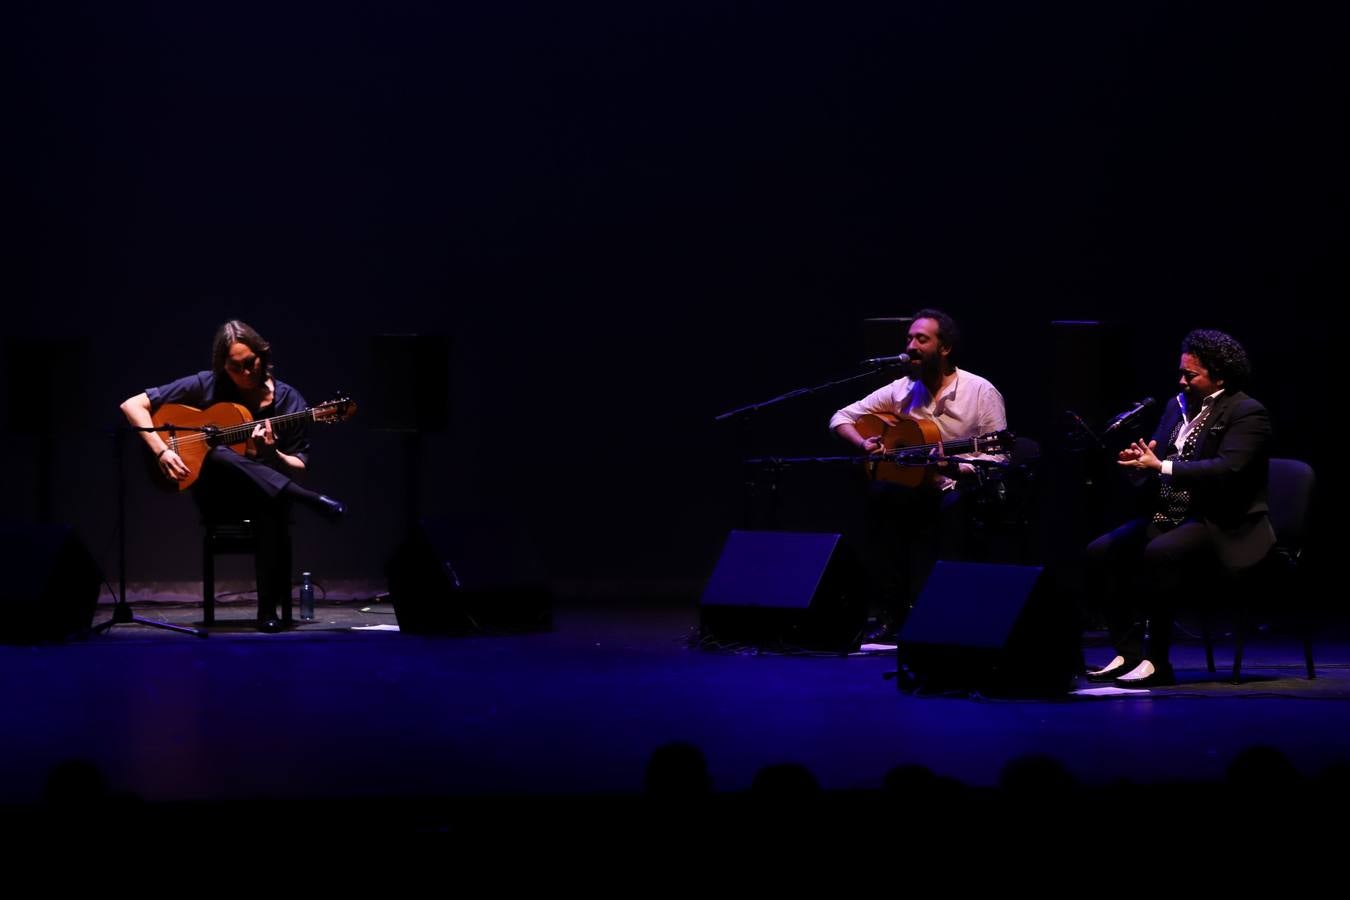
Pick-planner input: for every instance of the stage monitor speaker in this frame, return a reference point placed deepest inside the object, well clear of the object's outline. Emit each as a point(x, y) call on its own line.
point(459, 576)
point(997, 629)
point(785, 588)
point(50, 583)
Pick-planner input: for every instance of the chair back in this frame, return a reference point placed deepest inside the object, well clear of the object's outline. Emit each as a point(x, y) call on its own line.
point(1290, 497)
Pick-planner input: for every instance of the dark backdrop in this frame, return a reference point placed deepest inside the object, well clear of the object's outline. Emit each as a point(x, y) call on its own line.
point(630, 217)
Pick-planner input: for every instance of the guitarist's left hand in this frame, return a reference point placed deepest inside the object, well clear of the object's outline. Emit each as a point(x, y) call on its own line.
point(939, 456)
point(263, 441)
point(946, 465)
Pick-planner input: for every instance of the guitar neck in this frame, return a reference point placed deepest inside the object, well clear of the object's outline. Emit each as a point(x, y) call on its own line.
point(236, 433)
point(965, 445)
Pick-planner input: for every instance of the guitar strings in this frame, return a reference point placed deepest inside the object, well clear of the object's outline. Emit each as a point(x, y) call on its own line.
point(244, 430)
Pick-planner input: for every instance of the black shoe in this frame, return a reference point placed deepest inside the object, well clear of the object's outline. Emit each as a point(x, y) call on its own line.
point(329, 508)
point(270, 625)
point(1109, 672)
point(1162, 677)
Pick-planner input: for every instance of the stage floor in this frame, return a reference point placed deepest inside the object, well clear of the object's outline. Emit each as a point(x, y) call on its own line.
point(332, 711)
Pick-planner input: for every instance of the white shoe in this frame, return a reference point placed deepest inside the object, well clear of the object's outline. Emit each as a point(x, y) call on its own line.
point(1146, 675)
point(1138, 673)
point(1113, 665)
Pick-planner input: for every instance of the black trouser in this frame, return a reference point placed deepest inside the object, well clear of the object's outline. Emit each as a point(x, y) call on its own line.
point(233, 487)
point(1139, 571)
point(906, 530)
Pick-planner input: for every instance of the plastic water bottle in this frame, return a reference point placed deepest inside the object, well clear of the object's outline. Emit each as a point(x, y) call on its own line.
point(307, 596)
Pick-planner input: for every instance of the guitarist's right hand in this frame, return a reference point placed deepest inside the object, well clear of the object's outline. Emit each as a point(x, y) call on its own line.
point(172, 465)
point(873, 445)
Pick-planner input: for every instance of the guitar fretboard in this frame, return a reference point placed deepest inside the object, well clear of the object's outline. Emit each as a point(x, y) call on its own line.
point(966, 445)
point(233, 434)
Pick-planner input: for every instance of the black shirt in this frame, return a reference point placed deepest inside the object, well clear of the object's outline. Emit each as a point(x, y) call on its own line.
point(204, 389)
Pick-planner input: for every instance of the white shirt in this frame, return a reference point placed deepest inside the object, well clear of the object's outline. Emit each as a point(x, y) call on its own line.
point(968, 407)
point(1187, 425)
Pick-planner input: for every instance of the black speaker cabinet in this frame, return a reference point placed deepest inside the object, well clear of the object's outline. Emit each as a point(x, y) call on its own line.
point(50, 585)
point(993, 628)
point(457, 576)
point(784, 588)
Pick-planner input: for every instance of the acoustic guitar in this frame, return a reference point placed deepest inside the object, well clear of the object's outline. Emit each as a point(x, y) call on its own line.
point(226, 425)
point(910, 442)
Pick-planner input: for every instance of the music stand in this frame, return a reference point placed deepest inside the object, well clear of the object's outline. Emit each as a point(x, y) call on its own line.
point(409, 381)
point(122, 614)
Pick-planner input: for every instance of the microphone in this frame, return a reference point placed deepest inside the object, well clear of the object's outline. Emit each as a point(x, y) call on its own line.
point(1124, 418)
point(901, 359)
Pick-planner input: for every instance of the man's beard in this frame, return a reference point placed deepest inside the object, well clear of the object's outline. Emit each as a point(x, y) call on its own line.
point(927, 368)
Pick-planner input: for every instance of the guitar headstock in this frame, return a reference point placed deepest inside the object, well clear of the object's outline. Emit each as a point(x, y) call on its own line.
point(996, 441)
point(337, 410)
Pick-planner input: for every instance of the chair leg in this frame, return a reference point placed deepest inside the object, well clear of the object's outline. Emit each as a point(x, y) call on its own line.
point(208, 582)
point(1305, 622)
point(1239, 644)
point(1208, 638)
point(286, 609)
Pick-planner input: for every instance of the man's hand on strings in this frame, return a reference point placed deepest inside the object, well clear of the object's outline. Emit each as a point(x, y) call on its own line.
point(874, 446)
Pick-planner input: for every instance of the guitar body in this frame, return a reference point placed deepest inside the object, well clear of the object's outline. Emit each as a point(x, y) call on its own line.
point(230, 426)
point(192, 446)
point(896, 433)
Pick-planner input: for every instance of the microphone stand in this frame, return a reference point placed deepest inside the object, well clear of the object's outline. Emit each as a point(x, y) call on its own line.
point(792, 395)
point(122, 614)
point(1084, 429)
point(763, 472)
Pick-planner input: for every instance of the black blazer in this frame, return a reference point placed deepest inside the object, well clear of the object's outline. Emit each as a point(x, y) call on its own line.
point(1227, 476)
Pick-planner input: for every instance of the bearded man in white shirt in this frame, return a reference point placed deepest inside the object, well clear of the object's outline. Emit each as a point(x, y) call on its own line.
point(909, 527)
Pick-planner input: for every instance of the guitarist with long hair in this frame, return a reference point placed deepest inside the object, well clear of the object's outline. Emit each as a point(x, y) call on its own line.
point(228, 485)
point(920, 512)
